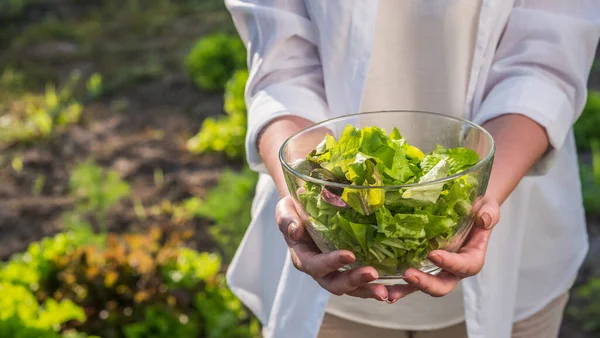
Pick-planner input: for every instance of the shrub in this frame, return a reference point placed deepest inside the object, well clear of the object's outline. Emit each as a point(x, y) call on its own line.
point(133, 285)
point(36, 263)
point(587, 127)
point(230, 215)
point(235, 103)
point(587, 312)
point(23, 316)
point(590, 180)
point(160, 322)
point(225, 134)
point(34, 116)
point(213, 60)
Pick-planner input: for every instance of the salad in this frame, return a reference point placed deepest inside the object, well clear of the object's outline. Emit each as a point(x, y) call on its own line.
point(389, 229)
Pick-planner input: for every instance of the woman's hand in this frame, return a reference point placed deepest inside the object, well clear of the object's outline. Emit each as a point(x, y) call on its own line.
point(307, 258)
point(468, 261)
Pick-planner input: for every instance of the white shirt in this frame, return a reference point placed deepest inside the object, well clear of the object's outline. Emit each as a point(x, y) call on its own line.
point(310, 58)
point(421, 60)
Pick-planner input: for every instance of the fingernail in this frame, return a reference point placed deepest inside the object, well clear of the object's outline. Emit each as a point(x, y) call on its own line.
point(391, 301)
point(366, 278)
point(346, 259)
point(293, 230)
point(487, 220)
point(436, 259)
point(411, 279)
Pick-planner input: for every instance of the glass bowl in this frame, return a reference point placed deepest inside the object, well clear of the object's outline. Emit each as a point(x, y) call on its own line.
point(333, 225)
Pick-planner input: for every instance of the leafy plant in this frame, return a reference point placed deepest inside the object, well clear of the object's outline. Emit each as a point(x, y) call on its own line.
point(587, 127)
point(130, 285)
point(36, 264)
point(588, 309)
point(225, 134)
point(213, 60)
point(222, 312)
point(190, 267)
point(590, 179)
point(160, 322)
point(235, 103)
point(97, 190)
point(94, 85)
point(40, 116)
point(230, 215)
point(22, 315)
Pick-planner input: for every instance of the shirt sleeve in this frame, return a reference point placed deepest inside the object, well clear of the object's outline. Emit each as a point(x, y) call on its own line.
point(541, 67)
point(286, 77)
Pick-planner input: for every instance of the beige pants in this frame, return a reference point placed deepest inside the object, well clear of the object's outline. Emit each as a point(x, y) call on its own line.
point(543, 324)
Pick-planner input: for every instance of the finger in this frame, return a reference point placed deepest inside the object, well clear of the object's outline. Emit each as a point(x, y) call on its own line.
point(288, 220)
point(376, 291)
point(469, 259)
point(487, 213)
point(340, 283)
point(396, 292)
point(318, 265)
point(436, 286)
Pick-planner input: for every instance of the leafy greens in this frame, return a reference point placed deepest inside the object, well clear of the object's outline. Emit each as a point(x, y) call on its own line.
point(389, 229)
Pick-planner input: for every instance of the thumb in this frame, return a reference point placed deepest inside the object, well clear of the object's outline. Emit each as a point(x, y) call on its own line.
point(488, 213)
point(288, 220)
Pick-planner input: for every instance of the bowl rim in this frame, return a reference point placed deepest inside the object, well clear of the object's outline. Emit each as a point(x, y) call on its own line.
point(478, 165)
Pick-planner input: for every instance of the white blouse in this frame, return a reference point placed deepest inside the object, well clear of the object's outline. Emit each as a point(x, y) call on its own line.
point(421, 60)
point(310, 58)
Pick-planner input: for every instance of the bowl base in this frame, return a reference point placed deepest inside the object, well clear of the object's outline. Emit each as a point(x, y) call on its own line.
point(398, 280)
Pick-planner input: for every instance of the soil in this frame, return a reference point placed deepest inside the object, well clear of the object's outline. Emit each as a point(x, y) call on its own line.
point(140, 127)
point(133, 144)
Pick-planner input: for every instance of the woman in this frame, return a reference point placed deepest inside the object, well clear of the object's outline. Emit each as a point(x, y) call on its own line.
point(519, 68)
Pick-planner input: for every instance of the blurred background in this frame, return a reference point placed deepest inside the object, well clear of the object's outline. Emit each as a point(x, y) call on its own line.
point(123, 186)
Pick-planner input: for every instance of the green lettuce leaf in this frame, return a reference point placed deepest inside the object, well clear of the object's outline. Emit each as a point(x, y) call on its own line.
point(390, 230)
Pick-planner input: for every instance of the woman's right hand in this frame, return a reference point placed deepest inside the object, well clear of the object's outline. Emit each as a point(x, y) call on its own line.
point(323, 267)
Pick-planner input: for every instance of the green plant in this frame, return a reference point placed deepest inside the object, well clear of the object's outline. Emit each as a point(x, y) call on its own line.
point(19, 306)
point(213, 60)
point(36, 263)
point(190, 267)
point(144, 285)
point(590, 179)
point(220, 135)
point(12, 83)
point(230, 215)
point(11, 9)
point(587, 311)
point(40, 116)
point(96, 190)
point(235, 103)
point(160, 322)
point(587, 127)
point(222, 313)
point(130, 285)
point(225, 134)
point(94, 86)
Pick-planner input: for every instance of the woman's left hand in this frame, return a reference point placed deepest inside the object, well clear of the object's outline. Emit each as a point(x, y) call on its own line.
point(468, 261)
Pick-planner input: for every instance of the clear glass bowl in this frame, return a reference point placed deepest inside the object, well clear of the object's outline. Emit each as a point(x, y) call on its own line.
point(423, 130)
